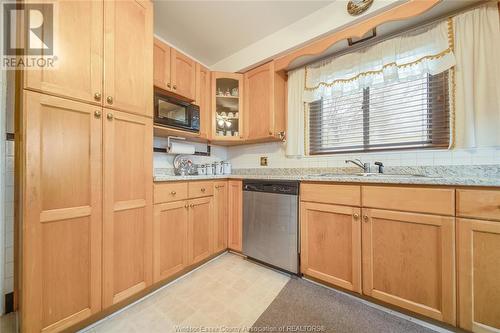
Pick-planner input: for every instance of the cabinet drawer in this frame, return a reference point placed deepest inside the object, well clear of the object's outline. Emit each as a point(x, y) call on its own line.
point(167, 192)
point(410, 199)
point(481, 204)
point(201, 189)
point(333, 194)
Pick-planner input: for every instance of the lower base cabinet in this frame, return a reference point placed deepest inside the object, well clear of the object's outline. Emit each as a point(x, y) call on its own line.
point(182, 235)
point(408, 261)
point(479, 275)
point(220, 216)
point(235, 215)
point(331, 244)
point(170, 239)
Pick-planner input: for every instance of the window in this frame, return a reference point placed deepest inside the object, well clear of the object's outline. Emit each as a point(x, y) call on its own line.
point(400, 115)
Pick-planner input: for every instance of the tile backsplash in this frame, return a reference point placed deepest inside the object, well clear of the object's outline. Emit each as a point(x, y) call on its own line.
point(249, 157)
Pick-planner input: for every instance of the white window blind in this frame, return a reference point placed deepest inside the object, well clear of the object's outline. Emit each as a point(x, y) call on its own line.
point(399, 115)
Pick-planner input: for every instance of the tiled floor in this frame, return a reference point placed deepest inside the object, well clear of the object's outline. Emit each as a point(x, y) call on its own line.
point(227, 292)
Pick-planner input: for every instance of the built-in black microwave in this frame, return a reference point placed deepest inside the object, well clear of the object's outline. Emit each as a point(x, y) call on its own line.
point(176, 113)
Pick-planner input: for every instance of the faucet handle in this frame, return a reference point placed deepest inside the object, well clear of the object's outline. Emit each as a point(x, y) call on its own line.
point(380, 167)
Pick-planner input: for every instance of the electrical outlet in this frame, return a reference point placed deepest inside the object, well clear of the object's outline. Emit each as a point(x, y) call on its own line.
point(263, 161)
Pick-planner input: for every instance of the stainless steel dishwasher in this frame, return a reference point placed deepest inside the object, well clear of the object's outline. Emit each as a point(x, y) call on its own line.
point(270, 223)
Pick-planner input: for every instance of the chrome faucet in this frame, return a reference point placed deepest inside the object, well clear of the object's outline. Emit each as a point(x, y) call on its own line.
point(359, 163)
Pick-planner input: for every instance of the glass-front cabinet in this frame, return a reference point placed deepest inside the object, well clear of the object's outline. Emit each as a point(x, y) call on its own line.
point(227, 99)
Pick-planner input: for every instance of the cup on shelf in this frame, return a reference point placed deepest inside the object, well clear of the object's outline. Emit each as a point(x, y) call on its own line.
point(235, 133)
point(220, 133)
point(230, 115)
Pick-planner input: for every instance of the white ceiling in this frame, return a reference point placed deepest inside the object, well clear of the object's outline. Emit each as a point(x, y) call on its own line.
point(211, 31)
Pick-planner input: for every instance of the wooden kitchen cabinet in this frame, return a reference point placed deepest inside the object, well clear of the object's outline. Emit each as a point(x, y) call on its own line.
point(331, 244)
point(174, 71)
point(128, 184)
point(408, 261)
point(235, 215)
point(221, 216)
point(62, 214)
point(227, 122)
point(203, 99)
point(128, 56)
point(79, 70)
point(183, 74)
point(200, 225)
point(170, 243)
point(161, 65)
point(478, 246)
point(265, 103)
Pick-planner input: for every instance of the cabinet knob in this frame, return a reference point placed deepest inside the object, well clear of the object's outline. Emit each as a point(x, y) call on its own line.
point(355, 215)
point(97, 114)
point(169, 85)
point(186, 206)
point(203, 189)
point(109, 99)
point(191, 205)
point(365, 218)
point(97, 96)
point(173, 193)
point(270, 133)
point(109, 116)
point(175, 87)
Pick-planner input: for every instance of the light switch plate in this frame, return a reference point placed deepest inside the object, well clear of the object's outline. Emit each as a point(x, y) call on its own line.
point(263, 161)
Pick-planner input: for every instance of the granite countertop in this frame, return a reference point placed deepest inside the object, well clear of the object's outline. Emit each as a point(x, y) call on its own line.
point(347, 178)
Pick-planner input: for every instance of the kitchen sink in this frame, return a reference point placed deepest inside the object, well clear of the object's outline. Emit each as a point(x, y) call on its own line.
point(377, 175)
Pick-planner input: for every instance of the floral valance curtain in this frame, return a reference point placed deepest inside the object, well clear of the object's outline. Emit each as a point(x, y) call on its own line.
point(428, 50)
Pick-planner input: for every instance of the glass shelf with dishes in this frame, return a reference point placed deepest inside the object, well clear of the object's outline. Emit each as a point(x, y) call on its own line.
point(227, 91)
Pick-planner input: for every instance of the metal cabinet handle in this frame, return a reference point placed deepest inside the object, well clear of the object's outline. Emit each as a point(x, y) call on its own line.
point(97, 96)
point(355, 215)
point(97, 114)
point(109, 116)
point(173, 193)
point(109, 99)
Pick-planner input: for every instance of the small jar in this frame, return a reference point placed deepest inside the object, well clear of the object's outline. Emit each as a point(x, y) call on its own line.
point(219, 169)
point(227, 168)
point(202, 170)
point(209, 169)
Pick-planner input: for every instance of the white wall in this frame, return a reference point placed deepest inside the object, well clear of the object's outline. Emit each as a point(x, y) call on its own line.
point(319, 23)
point(249, 157)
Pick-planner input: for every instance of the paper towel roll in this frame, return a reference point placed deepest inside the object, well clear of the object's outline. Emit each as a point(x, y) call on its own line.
point(181, 148)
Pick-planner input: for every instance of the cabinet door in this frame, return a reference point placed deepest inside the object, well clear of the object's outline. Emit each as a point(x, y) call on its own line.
point(128, 56)
point(220, 223)
point(227, 122)
point(408, 261)
point(478, 275)
point(203, 99)
point(170, 244)
point(235, 215)
point(200, 223)
point(128, 184)
point(331, 244)
point(61, 279)
point(259, 102)
point(161, 65)
point(183, 71)
point(78, 74)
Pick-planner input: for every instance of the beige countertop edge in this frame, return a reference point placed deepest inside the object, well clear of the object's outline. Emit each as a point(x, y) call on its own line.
point(450, 181)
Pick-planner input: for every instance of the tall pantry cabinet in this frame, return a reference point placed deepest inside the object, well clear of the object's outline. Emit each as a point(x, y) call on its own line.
point(86, 166)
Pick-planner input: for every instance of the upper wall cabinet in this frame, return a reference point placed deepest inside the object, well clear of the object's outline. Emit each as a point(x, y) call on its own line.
point(79, 70)
point(203, 99)
point(227, 107)
point(173, 71)
point(85, 63)
point(128, 56)
point(265, 103)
